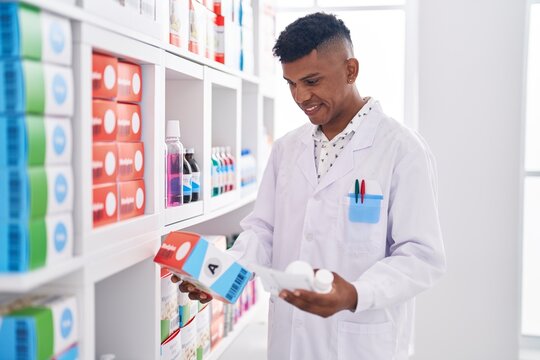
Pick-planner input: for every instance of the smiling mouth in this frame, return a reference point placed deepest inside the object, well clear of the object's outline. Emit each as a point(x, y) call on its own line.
point(311, 110)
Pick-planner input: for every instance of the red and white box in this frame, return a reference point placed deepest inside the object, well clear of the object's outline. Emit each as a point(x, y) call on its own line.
point(104, 204)
point(224, 8)
point(219, 51)
point(104, 120)
point(179, 23)
point(104, 163)
point(129, 82)
point(129, 122)
point(104, 76)
point(132, 199)
point(210, 34)
point(130, 161)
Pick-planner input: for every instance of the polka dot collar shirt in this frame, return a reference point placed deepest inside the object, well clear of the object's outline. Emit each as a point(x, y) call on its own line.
point(328, 151)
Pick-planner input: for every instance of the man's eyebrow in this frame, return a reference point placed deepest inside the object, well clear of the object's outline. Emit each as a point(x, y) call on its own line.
point(304, 78)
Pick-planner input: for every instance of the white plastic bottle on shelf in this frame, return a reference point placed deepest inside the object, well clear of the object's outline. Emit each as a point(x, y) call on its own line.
point(242, 167)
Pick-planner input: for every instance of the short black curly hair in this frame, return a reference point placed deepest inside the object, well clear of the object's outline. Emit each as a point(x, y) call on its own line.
point(307, 33)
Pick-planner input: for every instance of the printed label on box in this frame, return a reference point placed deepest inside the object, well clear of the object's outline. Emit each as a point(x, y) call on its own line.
point(130, 161)
point(58, 136)
point(65, 323)
point(188, 335)
point(129, 122)
point(104, 120)
point(179, 23)
point(60, 186)
point(59, 238)
point(132, 199)
point(197, 26)
point(56, 39)
point(171, 349)
point(104, 162)
point(105, 204)
point(58, 90)
point(129, 82)
point(104, 76)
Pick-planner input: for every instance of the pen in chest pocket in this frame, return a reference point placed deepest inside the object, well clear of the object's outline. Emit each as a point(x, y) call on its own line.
point(359, 189)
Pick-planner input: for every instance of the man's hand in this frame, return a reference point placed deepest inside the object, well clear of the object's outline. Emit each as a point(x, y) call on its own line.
point(342, 297)
point(194, 293)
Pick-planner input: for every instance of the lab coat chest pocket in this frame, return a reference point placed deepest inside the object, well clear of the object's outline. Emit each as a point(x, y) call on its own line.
point(366, 341)
point(361, 221)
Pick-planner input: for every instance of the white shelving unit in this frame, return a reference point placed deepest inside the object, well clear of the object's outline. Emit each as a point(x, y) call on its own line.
point(112, 274)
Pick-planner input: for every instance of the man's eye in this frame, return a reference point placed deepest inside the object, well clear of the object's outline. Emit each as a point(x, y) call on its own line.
point(312, 81)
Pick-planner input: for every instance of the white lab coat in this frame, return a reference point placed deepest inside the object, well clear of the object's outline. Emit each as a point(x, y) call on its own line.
point(388, 262)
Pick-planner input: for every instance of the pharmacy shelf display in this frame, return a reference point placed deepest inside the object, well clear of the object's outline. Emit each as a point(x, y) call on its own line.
point(108, 269)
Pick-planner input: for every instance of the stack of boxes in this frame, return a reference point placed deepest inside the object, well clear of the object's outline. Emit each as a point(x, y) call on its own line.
point(39, 327)
point(118, 153)
point(146, 8)
point(36, 103)
point(219, 30)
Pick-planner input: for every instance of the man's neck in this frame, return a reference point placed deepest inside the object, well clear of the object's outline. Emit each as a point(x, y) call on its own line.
point(330, 131)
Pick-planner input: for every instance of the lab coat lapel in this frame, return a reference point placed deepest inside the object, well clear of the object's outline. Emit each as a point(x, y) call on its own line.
point(362, 139)
point(306, 159)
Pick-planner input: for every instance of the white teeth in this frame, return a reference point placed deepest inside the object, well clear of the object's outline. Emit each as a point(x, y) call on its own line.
point(311, 108)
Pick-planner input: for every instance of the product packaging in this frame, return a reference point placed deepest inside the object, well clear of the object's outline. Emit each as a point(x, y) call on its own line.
point(169, 305)
point(36, 88)
point(197, 26)
point(105, 204)
point(47, 327)
point(132, 199)
point(171, 349)
point(179, 23)
point(32, 140)
point(195, 260)
point(30, 33)
point(104, 163)
point(35, 192)
point(129, 122)
point(104, 76)
point(32, 244)
point(104, 120)
point(203, 333)
point(188, 336)
point(129, 82)
point(187, 308)
point(130, 161)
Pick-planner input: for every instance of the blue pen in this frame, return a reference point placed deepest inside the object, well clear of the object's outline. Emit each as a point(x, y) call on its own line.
point(356, 190)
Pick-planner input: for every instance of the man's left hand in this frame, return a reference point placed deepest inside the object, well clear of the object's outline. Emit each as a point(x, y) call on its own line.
point(342, 297)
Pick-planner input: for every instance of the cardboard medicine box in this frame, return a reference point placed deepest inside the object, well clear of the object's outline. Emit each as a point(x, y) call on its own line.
point(35, 192)
point(169, 305)
point(34, 140)
point(104, 76)
point(132, 198)
point(104, 120)
point(129, 122)
point(130, 161)
point(30, 33)
point(129, 82)
point(104, 163)
point(105, 204)
point(171, 349)
point(195, 260)
point(29, 245)
point(35, 88)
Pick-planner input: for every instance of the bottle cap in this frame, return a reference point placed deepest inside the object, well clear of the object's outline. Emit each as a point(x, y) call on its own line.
point(323, 281)
point(173, 128)
point(190, 151)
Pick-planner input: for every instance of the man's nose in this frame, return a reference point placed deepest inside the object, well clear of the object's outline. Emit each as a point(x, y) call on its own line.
point(301, 94)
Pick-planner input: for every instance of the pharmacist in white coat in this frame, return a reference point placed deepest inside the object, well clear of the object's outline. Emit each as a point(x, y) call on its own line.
point(353, 192)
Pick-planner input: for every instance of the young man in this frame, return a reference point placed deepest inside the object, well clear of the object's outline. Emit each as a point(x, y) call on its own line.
point(354, 192)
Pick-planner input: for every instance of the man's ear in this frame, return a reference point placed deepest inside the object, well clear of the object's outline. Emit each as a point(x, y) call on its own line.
point(352, 67)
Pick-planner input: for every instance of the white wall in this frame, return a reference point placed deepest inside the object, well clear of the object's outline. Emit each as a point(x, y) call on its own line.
point(470, 99)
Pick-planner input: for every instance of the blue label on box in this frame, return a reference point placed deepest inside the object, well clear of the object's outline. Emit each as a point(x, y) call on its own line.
point(57, 38)
point(60, 188)
point(59, 89)
point(66, 324)
point(60, 237)
point(59, 140)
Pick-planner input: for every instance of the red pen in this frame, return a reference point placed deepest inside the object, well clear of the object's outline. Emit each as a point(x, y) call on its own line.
point(362, 191)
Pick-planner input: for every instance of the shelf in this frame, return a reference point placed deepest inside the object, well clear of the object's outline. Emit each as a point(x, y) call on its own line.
point(209, 215)
point(249, 190)
point(183, 212)
point(223, 200)
point(109, 238)
point(23, 282)
point(226, 342)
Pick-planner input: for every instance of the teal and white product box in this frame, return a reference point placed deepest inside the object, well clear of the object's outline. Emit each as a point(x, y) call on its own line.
point(40, 331)
point(35, 88)
point(29, 245)
point(187, 308)
point(192, 258)
point(33, 140)
point(70, 354)
point(30, 33)
point(35, 192)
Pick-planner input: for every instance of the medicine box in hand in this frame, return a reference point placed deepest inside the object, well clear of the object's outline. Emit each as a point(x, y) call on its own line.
point(195, 260)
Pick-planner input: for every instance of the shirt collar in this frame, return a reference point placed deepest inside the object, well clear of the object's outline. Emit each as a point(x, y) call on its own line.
point(353, 125)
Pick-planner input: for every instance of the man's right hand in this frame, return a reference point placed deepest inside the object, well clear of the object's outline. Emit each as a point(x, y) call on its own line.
point(194, 293)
